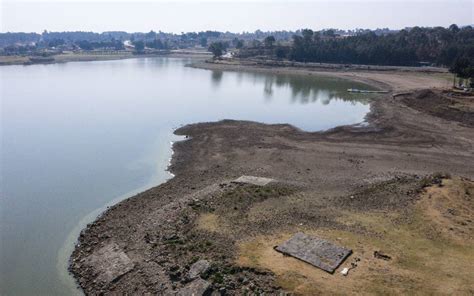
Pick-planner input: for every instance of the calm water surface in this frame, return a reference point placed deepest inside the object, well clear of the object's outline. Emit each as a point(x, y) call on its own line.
point(78, 136)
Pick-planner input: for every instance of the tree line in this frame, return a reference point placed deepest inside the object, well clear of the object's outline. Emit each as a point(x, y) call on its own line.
point(409, 47)
point(181, 40)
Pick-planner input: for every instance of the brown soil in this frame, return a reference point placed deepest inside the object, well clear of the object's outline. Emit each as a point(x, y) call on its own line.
point(362, 187)
point(447, 105)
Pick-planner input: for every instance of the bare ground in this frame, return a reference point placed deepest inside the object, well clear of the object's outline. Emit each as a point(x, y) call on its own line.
point(368, 188)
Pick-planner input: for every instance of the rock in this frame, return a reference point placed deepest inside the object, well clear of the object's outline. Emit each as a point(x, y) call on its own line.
point(380, 255)
point(198, 287)
point(110, 262)
point(198, 268)
point(345, 271)
point(175, 275)
point(259, 181)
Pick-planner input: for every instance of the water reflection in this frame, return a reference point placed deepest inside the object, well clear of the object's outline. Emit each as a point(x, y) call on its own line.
point(216, 78)
point(304, 89)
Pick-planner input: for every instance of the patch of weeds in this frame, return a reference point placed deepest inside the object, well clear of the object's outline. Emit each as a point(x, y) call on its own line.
point(434, 179)
point(193, 260)
point(217, 278)
point(174, 242)
point(230, 269)
point(244, 196)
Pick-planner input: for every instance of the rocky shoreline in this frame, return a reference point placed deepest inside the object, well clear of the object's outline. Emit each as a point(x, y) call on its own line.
point(151, 242)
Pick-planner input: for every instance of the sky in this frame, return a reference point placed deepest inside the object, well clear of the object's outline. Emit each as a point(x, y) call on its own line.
point(228, 15)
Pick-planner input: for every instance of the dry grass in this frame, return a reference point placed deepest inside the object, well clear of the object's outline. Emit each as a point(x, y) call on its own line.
point(209, 222)
point(12, 60)
point(431, 250)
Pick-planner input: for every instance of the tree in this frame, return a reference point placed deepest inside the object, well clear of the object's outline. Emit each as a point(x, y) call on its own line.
point(281, 52)
point(156, 44)
point(217, 49)
point(256, 43)
point(150, 35)
point(85, 45)
point(203, 41)
point(56, 42)
point(329, 33)
point(235, 41)
point(454, 28)
point(307, 35)
point(269, 41)
point(440, 46)
point(463, 67)
point(139, 46)
point(239, 44)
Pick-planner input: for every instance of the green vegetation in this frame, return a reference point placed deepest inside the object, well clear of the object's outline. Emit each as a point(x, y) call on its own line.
point(449, 47)
point(217, 49)
point(409, 47)
point(463, 67)
point(269, 41)
point(86, 45)
point(139, 46)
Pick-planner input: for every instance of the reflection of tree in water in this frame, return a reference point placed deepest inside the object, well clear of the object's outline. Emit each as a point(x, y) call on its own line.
point(216, 77)
point(307, 89)
point(268, 88)
point(157, 63)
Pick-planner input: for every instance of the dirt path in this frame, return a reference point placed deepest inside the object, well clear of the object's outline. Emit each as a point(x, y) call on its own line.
point(323, 181)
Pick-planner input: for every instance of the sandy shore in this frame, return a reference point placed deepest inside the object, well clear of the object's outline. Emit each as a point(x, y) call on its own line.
point(366, 188)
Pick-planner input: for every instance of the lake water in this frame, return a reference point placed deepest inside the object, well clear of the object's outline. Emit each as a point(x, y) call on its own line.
point(78, 136)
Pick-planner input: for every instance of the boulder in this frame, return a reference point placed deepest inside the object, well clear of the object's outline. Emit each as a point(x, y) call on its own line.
point(198, 268)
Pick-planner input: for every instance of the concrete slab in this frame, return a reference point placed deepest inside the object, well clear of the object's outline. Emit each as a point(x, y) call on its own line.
point(198, 268)
point(111, 262)
point(315, 251)
point(259, 181)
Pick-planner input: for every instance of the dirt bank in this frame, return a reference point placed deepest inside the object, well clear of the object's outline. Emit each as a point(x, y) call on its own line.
point(392, 78)
point(358, 186)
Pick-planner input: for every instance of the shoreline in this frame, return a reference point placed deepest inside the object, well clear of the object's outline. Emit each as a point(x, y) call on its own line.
point(218, 152)
point(69, 245)
point(67, 58)
point(390, 79)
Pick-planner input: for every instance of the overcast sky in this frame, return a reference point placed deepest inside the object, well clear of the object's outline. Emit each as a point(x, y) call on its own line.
point(228, 15)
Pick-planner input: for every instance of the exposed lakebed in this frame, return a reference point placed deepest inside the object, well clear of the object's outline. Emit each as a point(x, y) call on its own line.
point(79, 136)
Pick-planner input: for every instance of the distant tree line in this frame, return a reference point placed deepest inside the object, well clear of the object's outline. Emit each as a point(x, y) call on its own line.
point(174, 40)
point(9, 39)
point(451, 47)
point(112, 44)
point(409, 47)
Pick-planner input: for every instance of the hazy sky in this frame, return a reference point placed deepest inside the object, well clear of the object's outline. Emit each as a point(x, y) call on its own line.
point(228, 15)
